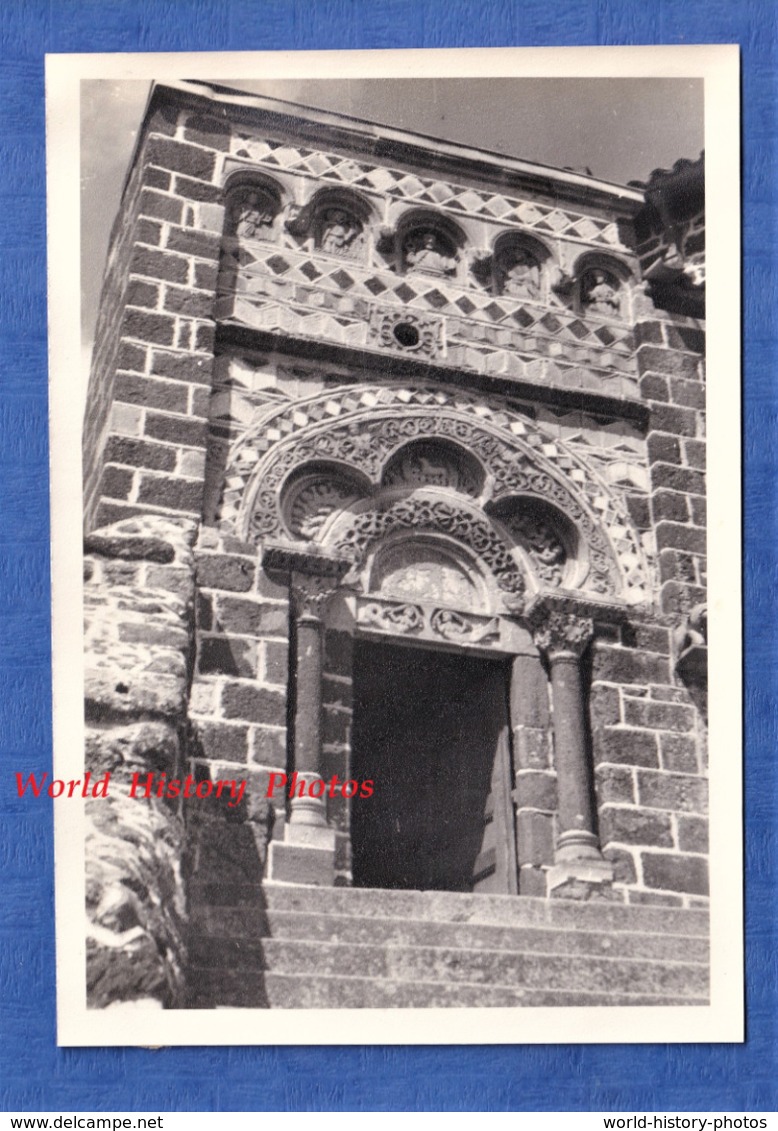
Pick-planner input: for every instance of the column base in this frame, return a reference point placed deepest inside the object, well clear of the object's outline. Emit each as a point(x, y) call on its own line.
point(307, 810)
point(577, 844)
point(305, 856)
point(582, 879)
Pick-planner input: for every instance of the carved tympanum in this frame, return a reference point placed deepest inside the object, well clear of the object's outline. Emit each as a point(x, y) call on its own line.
point(309, 504)
point(426, 515)
point(421, 571)
point(430, 464)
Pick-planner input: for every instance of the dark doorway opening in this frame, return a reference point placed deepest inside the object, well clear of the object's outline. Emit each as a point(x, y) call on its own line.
point(431, 730)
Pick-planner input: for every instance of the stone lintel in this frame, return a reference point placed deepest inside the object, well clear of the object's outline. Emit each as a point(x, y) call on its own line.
point(304, 558)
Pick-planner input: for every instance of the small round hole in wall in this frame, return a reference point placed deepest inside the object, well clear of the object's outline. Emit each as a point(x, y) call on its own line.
point(406, 334)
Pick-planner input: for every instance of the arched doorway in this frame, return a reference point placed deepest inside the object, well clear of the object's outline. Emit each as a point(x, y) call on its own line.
point(426, 539)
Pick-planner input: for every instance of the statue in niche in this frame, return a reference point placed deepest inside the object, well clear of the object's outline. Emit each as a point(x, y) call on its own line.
point(341, 233)
point(600, 292)
point(426, 251)
point(253, 215)
point(519, 274)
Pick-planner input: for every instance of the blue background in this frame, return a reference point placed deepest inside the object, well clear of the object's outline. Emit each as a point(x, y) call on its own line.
point(34, 1074)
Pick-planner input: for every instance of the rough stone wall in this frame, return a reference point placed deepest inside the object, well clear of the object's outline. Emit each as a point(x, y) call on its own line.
point(238, 706)
point(671, 364)
point(138, 596)
point(649, 713)
point(146, 427)
point(649, 756)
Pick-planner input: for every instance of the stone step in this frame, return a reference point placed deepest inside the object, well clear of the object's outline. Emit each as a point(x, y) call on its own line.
point(247, 922)
point(238, 989)
point(450, 964)
point(455, 907)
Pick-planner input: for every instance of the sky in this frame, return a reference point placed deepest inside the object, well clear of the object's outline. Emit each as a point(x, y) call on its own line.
point(619, 128)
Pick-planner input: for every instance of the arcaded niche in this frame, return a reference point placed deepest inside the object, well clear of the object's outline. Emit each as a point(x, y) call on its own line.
point(395, 512)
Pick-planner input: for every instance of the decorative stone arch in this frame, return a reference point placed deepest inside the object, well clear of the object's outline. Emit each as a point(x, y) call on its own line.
point(350, 488)
point(355, 531)
point(360, 431)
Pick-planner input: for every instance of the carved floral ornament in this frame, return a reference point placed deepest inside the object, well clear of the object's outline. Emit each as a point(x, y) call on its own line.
point(329, 456)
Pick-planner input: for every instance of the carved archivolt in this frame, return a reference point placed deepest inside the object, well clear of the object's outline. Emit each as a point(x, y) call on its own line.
point(355, 533)
point(427, 438)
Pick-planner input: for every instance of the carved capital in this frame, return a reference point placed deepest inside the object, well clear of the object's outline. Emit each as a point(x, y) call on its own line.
point(562, 634)
point(690, 644)
point(297, 219)
point(563, 625)
point(385, 239)
point(309, 594)
point(313, 574)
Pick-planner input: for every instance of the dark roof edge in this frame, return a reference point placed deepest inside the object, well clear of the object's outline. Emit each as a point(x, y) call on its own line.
point(384, 143)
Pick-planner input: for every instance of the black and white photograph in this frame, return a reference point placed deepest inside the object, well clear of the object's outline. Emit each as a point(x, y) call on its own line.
point(384, 704)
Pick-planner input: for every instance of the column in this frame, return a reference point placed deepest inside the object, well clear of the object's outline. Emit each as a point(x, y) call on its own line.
point(563, 637)
point(307, 853)
point(308, 596)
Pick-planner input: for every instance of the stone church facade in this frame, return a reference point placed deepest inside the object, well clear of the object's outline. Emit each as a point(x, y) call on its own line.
point(395, 511)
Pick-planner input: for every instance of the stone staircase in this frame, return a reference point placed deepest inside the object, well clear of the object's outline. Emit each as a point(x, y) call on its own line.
point(287, 947)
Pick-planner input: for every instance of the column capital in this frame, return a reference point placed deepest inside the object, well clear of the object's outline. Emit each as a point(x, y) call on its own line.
point(560, 633)
point(313, 573)
point(309, 594)
point(562, 624)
